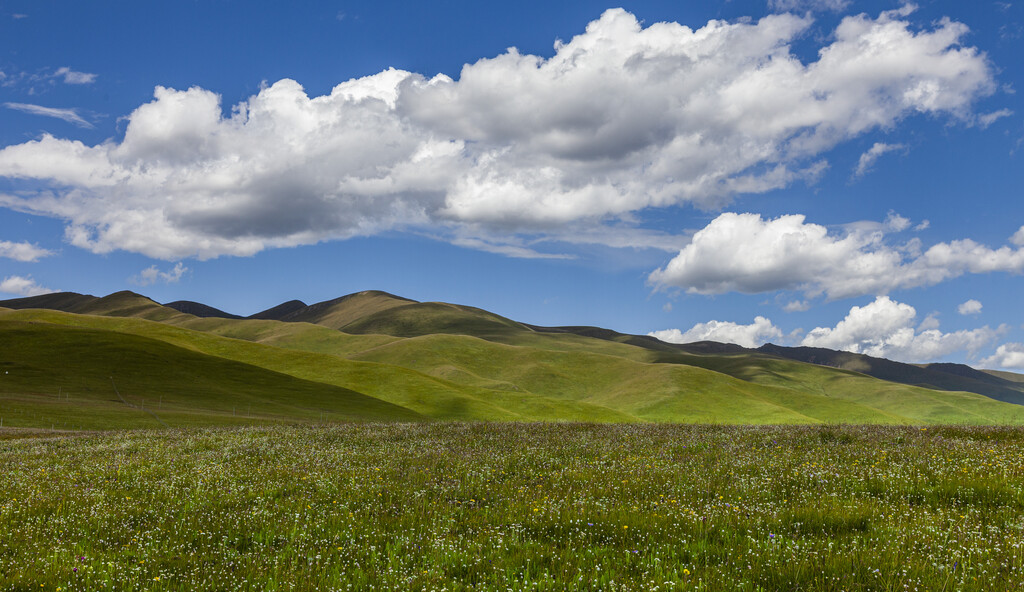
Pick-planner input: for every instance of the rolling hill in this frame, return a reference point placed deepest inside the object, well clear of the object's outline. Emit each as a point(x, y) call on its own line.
point(376, 356)
point(88, 378)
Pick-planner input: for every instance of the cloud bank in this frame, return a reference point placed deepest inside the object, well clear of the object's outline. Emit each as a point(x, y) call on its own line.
point(1009, 355)
point(753, 335)
point(746, 253)
point(885, 329)
point(620, 119)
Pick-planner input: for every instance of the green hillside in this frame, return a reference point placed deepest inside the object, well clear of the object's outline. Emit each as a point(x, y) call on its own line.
point(947, 377)
point(340, 312)
point(423, 394)
point(1002, 386)
point(399, 359)
point(68, 376)
point(740, 388)
point(427, 318)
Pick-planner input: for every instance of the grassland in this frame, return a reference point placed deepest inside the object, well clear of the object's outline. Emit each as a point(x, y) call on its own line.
point(484, 506)
point(76, 377)
point(210, 371)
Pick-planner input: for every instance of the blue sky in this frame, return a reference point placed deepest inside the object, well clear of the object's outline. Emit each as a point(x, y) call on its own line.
point(820, 172)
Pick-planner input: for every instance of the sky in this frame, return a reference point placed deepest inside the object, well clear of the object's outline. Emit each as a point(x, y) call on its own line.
point(828, 173)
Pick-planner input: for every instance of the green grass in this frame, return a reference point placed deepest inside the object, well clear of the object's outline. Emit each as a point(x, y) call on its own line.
point(426, 318)
point(478, 506)
point(418, 392)
point(84, 378)
point(721, 388)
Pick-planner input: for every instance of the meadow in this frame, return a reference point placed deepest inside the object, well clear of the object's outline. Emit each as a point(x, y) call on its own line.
point(514, 506)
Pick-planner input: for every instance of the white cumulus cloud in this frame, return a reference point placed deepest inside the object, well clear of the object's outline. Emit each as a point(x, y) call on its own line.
point(753, 335)
point(1008, 355)
point(620, 118)
point(23, 251)
point(22, 286)
point(885, 329)
point(746, 253)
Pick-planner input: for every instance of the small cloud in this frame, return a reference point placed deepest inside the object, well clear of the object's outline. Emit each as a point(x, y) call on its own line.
point(868, 159)
point(22, 286)
point(971, 307)
point(1011, 31)
point(18, 16)
point(896, 223)
point(667, 307)
point(45, 79)
point(507, 250)
point(988, 119)
point(68, 115)
point(797, 306)
point(340, 16)
point(26, 252)
point(152, 275)
point(922, 226)
point(72, 77)
point(808, 5)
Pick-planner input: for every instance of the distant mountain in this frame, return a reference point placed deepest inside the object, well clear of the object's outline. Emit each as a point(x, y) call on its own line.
point(200, 310)
point(339, 312)
point(429, 318)
point(1011, 376)
point(376, 312)
point(945, 377)
point(281, 311)
point(1002, 386)
point(65, 301)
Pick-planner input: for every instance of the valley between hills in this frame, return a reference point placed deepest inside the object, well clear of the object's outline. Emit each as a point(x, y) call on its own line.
point(78, 362)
